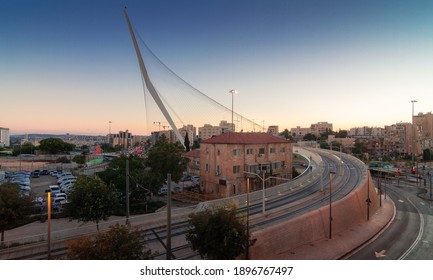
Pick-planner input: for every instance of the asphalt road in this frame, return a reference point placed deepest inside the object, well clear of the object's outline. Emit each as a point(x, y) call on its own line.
point(410, 235)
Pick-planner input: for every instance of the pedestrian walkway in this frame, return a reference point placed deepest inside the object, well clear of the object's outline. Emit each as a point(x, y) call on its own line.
point(347, 241)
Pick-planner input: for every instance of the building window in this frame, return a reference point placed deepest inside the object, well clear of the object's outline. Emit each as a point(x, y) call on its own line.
point(236, 152)
point(282, 149)
point(250, 151)
point(218, 152)
point(236, 169)
point(207, 167)
point(218, 170)
point(272, 150)
point(261, 151)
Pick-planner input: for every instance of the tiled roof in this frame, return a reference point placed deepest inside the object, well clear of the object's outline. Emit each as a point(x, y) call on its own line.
point(193, 153)
point(245, 138)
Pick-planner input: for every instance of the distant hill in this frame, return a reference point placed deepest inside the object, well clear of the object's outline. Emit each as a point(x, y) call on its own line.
point(19, 137)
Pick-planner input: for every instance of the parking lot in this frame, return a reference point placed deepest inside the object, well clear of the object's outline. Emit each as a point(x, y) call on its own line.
point(39, 185)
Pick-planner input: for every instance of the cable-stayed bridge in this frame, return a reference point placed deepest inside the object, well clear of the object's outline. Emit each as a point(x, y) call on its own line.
point(177, 101)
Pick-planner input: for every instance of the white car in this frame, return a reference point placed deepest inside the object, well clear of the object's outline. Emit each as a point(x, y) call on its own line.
point(62, 178)
point(66, 180)
point(54, 189)
point(25, 188)
point(59, 195)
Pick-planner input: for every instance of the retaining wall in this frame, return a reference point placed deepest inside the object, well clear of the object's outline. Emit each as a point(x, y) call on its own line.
point(275, 242)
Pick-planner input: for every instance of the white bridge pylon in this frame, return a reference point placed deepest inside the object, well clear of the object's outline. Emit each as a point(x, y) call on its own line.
point(149, 84)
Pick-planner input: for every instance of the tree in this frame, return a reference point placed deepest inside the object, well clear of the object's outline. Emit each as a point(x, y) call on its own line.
point(218, 233)
point(80, 159)
point(166, 158)
point(119, 243)
point(26, 148)
point(55, 146)
point(427, 155)
point(140, 179)
point(187, 143)
point(13, 206)
point(91, 200)
point(310, 137)
point(286, 134)
point(341, 134)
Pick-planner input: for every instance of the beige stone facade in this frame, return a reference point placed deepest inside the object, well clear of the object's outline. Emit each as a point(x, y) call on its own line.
point(228, 159)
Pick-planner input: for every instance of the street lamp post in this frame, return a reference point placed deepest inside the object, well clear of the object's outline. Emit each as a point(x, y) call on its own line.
point(233, 92)
point(49, 223)
point(368, 200)
point(263, 185)
point(248, 220)
point(413, 134)
point(168, 244)
point(330, 203)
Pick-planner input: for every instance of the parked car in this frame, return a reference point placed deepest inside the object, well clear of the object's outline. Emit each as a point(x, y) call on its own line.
point(174, 189)
point(61, 194)
point(25, 188)
point(58, 202)
point(54, 189)
point(20, 180)
point(36, 174)
point(45, 172)
point(185, 178)
point(195, 179)
point(162, 191)
point(66, 179)
point(66, 186)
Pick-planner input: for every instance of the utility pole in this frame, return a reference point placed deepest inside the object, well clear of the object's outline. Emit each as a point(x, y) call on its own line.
point(331, 173)
point(49, 223)
point(413, 134)
point(168, 216)
point(233, 92)
point(248, 220)
point(109, 134)
point(127, 193)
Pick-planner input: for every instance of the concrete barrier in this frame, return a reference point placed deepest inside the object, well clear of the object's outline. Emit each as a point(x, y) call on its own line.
point(277, 241)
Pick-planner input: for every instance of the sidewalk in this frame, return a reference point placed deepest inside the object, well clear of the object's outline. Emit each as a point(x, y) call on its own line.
point(347, 241)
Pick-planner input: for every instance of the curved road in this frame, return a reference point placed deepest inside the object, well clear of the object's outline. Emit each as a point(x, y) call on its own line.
point(410, 234)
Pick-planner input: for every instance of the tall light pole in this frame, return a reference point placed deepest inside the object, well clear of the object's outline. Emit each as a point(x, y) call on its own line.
point(248, 220)
point(128, 223)
point(49, 223)
point(168, 244)
point(263, 185)
point(109, 134)
point(330, 203)
point(233, 92)
point(413, 134)
point(368, 200)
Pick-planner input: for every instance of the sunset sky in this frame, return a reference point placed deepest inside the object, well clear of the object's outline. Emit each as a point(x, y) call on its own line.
point(70, 67)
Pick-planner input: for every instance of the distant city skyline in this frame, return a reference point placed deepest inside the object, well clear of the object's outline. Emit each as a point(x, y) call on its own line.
point(70, 67)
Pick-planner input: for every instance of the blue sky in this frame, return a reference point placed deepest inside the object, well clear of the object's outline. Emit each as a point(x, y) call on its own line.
point(70, 67)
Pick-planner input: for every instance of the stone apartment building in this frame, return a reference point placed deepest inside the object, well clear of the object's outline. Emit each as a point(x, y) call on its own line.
point(224, 158)
point(424, 131)
point(4, 137)
point(316, 129)
point(207, 131)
